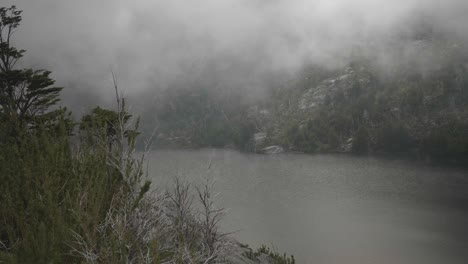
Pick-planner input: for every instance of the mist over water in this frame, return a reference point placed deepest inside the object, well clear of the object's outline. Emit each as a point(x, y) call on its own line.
point(233, 44)
point(322, 209)
point(332, 208)
point(356, 78)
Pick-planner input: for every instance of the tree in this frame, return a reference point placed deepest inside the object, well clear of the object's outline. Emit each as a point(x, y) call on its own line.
point(103, 125)
point(25, 94)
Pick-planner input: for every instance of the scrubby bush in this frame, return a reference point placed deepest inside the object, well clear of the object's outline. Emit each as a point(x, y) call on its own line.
point(272, 255)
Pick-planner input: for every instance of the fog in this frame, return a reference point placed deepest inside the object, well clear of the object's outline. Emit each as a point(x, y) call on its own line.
point(237, 44)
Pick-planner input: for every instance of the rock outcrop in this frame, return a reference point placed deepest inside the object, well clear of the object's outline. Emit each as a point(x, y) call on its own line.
point(273, 150)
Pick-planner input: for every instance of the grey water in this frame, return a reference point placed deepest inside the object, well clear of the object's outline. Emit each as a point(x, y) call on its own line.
point(327, 209)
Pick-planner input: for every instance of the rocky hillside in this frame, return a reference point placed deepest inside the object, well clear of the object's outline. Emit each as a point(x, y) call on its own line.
point(362, 109)
point(412, 101)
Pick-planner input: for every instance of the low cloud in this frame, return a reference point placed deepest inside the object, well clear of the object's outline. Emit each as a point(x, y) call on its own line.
point(152, 44)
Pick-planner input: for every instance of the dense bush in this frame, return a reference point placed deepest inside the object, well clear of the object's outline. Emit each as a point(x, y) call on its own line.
point(54, 191)
point(273, 256)
point(88, 202)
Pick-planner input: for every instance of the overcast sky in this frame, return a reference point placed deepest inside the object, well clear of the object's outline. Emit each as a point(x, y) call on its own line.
point(151, 44)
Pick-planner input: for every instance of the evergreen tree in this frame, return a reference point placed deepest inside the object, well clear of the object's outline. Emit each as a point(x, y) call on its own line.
point(25, 94)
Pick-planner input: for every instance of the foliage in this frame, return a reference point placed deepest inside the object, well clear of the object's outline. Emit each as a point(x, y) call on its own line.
point(273, 256)
point(86, 202)
point(25, 94)
point(34, 197)
point(50, 191)
point(83, 198)
point(103, 125)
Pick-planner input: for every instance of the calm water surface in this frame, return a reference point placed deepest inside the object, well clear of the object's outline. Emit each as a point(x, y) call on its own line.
point(333, 208)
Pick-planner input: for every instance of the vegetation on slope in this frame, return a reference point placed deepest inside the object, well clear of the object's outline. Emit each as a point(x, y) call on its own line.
point(359, 111)
point(74, 192)
point(360, 108)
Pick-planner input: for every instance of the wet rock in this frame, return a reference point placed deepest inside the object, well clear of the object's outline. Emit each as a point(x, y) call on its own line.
point(273, 150)
point(347, 146)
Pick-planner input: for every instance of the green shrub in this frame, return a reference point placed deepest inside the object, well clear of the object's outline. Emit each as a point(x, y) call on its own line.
point(52, 189)
point(273, 255)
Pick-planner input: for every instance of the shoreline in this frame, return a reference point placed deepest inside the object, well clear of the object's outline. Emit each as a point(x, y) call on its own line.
point(413, 157)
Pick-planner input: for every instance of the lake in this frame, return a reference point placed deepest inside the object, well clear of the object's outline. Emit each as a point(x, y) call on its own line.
point(327, 209)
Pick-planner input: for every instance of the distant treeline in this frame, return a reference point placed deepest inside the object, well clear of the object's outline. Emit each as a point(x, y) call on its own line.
point(199, 117)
